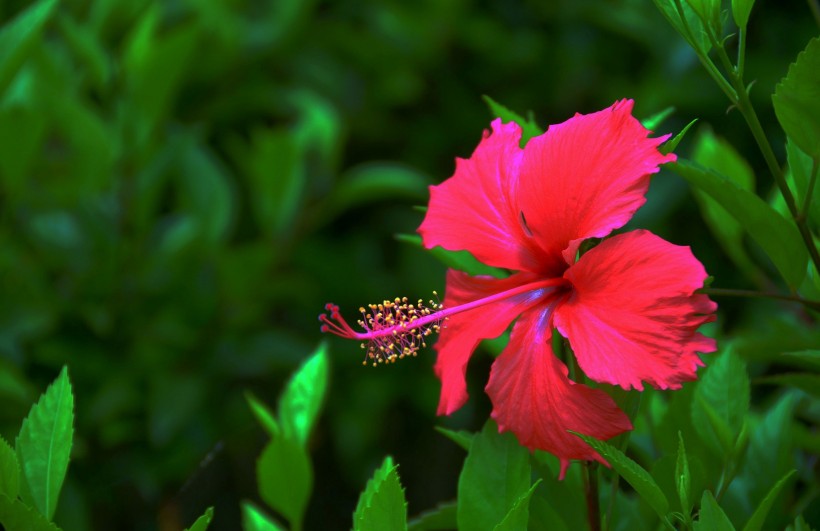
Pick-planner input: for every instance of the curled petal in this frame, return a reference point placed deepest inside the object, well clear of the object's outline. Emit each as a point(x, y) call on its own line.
point(633, 314)
point(476, 209)
point(533, 397)
point(584, 178)
point(462, 332)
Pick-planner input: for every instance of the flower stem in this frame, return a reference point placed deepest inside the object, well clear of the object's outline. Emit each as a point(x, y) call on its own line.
point(591, 495)
point(815, 305)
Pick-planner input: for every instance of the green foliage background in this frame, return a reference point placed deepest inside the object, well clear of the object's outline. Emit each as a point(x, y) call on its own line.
point(185, 183)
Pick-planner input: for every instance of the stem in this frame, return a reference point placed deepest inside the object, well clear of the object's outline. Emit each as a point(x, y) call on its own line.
point(591, 495)
point(741, 51)
point(815, 305)
point(804, 213)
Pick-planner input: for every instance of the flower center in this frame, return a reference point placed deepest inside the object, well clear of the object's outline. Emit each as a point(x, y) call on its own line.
point(397, 329)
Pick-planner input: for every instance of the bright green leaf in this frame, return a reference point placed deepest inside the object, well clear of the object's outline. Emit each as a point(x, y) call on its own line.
point(712, 517)
point(740, 12)
point(462, 438)
point(382, 505)
point(203, 521)
point(253, 519)
point(495, 476)
point(44, 445)
point(653, 122)
point(797, 100)
point(721, 402)
point(9, 471)
point(757, 520)
point(285, 478)
point(17, 38)
point(442, 518)
point(460, 260)
point(519, 515)
point(17, 516)
point(670, 145)
point(633, 473)
point(262, 414)
point(303, 395)
point(777, 236)
point(529, 128)
point(683, 480)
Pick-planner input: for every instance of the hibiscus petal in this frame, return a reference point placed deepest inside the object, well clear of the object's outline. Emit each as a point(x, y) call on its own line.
point(476, 210)
point(584, 178)
point(633, 314)
point(533, 397)
point(463, 331)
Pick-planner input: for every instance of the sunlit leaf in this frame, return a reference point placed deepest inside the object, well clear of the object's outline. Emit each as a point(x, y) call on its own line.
point(253, 519)
point(633, 473)
point(653, 122)
point(302, 398)
point(529, 128)
point(382, 505)
point(797, 100)
point(495, 476)
point(44, 445)
point(263, 414)
point(203, 521)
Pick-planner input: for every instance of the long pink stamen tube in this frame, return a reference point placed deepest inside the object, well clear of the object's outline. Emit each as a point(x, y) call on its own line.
point(396, 329)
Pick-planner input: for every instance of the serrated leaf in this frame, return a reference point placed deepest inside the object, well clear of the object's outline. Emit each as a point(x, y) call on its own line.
point(758, 518)
point(683, 480)
point(529, 128)
point(44, 445)
point(654, 121)
point(460, 260)
point(203, 521)
point(796, 100)
point(462, 438)
point(670, 145)
point(712, 517)
point(442, 518)
point(496, 474)
point(17, 516)
point(253, 519)
point(633, 473)
point(263, 414)
point(740, 12)
point(17, 38)
point(777, 236)
point(519, 515)
point(285, 478)
point(721, 402)
point(719, 156)
point(382, 505)
point(9, 471)
point(302, 398)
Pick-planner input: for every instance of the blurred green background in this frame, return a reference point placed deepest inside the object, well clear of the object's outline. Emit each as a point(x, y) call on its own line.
point(185, 183)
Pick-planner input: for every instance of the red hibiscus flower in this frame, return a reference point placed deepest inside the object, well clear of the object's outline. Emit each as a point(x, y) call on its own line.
point(628, 306)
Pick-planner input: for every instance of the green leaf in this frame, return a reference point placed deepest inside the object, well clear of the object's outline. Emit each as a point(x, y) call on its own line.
point(740, 12)
point(44, 445)
point(689, 26)
point(809, 357)
point(285, 478)
point(796, 100)
point(9, 471)
point(777, 236)
point(633, 473)
point(719, 156)
point(721, 402)
point(377, 181)
point(262, 414)
point(253, 519)
point(17, 516)
point(670, 145)
point(799, 177)
point(757, 520)
point(462, 438)
point(683, 480)
point(17, 38)
point(712, 517)
point(495, 476)
point(708, 11)
point(519, 515)
point(203, 521)
point(529, 128)
point(382, 505)
point(460, 260)
point(654, 121)
point(770, 454)
point(799, 524)
point(443, 517)
point(805, 381)
point(303, 395)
